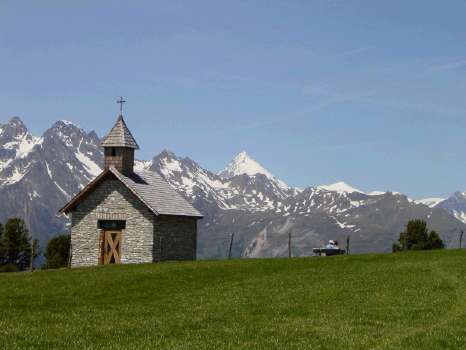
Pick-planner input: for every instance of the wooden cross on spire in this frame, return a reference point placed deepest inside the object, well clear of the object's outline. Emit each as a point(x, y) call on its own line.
point(121, 101)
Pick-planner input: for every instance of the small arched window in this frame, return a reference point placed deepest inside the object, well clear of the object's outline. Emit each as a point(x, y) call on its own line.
point(114, 152)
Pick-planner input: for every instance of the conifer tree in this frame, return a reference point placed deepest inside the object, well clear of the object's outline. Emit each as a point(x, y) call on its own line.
point(15, 243)
point(417, 237)
point(434, 241)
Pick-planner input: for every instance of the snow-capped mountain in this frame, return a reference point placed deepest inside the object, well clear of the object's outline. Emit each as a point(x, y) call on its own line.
point(455, 204)
point(257, 192)
point(261, 213)
point(340, 187)
point(243, 164)
point(16, 143)
point(430, 202)
point(40, 174)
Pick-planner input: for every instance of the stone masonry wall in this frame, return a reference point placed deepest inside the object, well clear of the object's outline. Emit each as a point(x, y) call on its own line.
point(111, 200)
point(179, 238)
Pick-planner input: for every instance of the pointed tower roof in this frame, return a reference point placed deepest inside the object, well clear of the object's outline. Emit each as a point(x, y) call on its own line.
point(120, 136)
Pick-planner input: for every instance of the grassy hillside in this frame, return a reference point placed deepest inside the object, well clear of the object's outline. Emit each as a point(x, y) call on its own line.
point(402, 301)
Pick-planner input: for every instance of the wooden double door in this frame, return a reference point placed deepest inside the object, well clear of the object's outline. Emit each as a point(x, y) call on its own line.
point(111, 247)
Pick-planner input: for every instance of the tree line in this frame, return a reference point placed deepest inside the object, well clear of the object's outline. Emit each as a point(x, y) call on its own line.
point(18, 250)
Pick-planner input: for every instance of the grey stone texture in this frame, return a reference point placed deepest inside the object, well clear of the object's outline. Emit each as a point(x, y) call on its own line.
point(178, 237)
point(111, 200)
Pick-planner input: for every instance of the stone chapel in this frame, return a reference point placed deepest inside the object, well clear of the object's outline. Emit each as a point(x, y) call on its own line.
point(124, 216)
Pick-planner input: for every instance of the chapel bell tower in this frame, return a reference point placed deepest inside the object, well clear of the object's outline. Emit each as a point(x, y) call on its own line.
point(119, 146)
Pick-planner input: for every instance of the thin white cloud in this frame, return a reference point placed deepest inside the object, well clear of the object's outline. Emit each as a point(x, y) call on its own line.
point(451, 65)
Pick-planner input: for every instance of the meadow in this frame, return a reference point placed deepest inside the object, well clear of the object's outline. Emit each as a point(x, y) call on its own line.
point(414, 300)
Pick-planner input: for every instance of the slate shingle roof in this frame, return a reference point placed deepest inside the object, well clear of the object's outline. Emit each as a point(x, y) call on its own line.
point(149, 187)
point(120, 136)
point(157, 194)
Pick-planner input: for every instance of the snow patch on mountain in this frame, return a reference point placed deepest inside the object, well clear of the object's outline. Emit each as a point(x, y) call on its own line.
point(170, 165)
point(5, 163)
point(49, 172)
point(15, 177)
point(67, 122)
point(430, 202)
point(460, 215)
point(66, 194)
point(343, 225)
point(23, 144)
point(340, 187)
point(92, 168)
point(142, 165)
point(376, 193)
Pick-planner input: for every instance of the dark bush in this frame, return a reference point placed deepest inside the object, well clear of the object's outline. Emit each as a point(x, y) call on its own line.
point(58, 252)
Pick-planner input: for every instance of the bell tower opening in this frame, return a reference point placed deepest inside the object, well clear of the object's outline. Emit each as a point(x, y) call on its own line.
point(121, 158)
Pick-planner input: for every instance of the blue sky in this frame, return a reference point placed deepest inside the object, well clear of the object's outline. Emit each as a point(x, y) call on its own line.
point(369, 92)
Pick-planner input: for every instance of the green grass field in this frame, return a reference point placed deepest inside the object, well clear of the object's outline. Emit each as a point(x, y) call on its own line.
point(394, 301)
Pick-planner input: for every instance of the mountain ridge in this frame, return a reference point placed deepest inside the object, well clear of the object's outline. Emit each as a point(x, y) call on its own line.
point(39, 174)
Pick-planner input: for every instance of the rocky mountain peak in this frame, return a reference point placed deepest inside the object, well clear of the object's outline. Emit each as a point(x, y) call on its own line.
point(17, 123)
point(94, 138)
point(167, 154)
point(16, 143)
point(65, 126)
point(66, 133)
point(13, 129)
